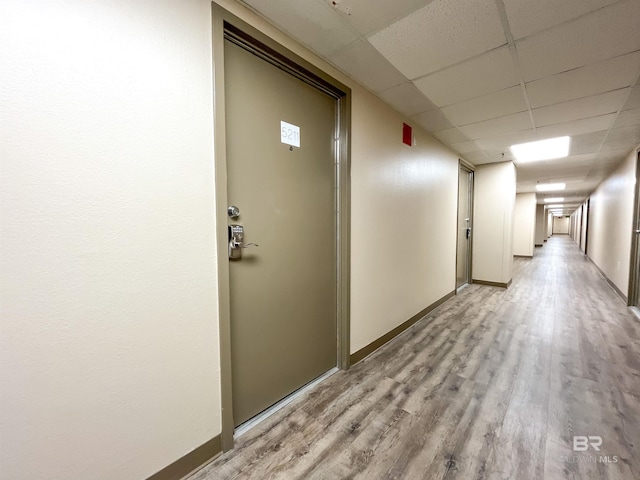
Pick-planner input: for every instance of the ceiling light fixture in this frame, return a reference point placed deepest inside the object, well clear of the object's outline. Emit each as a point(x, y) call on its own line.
point(542, 149)
point(554, 206)
point(550, 187)
point(554, 200)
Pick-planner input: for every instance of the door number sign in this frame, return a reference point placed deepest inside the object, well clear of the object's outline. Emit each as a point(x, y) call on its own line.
point(289, 134)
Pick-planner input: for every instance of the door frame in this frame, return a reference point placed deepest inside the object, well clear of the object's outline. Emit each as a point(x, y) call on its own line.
point(634, 267)
point(467, 166)
point(224, 22)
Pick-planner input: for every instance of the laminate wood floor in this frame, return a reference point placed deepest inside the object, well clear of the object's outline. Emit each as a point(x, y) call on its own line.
point(494, 384)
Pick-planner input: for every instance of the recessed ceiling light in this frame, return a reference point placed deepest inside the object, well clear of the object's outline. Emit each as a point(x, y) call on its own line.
point(555, 206)
point(542, 149)
point(550, 187)
point(554, 200)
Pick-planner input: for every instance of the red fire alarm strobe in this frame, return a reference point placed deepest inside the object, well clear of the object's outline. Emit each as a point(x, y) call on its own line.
point(407, 134)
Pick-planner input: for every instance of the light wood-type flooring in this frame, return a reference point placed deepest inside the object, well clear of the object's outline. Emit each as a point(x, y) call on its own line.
point(494, 384)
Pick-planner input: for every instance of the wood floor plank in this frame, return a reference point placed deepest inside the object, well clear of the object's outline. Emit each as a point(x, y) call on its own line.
point(493, 384)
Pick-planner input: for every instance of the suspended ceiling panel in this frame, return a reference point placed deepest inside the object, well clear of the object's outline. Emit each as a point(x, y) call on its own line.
point(527, 16)
point(586, 107)
point(369, 16)
point(407, 99)
point(312, 22)
point(440, 34)
point(489, 72)
point(361, 60)
point(497, 104)
point(606, 33)
point(612, 74)
point(481, 75)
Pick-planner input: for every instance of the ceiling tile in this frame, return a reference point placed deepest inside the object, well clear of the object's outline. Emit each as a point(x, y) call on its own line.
point(451, 135)
point(527, 17)
point(628, 118)
point(599, 77)
point(498, 104)
point(364, 63)
point(585, 148)
point(593, 106)
point(498, 126)
point(485, 160)
point(625, 145)
point(313, 23)
point(476, 157)
point(487, 73)
point(433, 121)
point(497, 157)
point(607, 33)
point(633, 101)
point(589, 138)
point(572, 160)
point(440, 34)
point(577, 127)
point(407, 99)
point(624, 133)
point(503, 142)
point(368, 16)
point(465, 147)
point(611, 156)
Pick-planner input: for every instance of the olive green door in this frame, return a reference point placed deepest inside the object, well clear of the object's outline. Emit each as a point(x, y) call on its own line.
point(465, 202)
point(282, 291)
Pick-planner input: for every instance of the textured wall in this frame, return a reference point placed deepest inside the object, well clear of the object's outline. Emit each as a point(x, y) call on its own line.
point(524, 225)
point(611, 222)
point(560, 225)
point(109, 340)
point(495, 196)
point(404, 210)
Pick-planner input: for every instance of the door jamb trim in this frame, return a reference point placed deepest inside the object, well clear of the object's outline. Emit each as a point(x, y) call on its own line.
point(342, 94)
point(634, 276)
point(462, 164)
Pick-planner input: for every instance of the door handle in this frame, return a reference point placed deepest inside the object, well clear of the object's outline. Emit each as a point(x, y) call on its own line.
point(468, 232)
point(236, 242)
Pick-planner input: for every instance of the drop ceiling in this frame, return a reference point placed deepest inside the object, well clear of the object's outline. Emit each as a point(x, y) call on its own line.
point(481, 75)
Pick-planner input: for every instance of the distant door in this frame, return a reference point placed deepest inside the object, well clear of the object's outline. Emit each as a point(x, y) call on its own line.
point(465, 225)
point(281, 178)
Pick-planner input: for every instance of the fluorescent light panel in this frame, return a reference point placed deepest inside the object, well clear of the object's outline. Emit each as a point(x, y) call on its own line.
point(554, 200)
point(550, 187)
point(542, 149)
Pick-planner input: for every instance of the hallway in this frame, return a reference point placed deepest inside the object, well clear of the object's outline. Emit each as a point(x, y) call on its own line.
point(493, 384)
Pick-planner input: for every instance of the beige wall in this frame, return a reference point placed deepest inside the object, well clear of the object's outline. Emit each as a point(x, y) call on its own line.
point(404, 207)
point(109, 347)
point(549, 225)
point(540, 235)
point(524, 224)
point(109, 354)
point(495, 196)
point(560, 225)
point(611, 223)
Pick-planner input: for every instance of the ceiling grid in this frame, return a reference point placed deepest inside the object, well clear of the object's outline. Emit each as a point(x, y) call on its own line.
point(481, 75)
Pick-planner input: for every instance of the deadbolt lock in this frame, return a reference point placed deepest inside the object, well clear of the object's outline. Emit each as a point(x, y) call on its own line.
point(233, 212)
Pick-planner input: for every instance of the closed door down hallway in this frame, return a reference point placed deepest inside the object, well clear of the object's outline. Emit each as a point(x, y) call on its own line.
point(538, 381)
